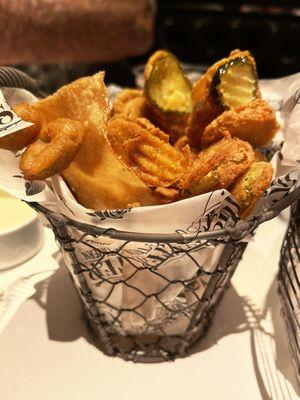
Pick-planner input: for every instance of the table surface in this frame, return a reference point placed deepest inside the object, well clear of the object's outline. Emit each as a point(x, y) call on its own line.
point(47, 352)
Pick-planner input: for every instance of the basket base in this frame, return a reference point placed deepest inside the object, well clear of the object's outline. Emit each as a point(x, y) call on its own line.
point(153, 348)
point(149, 348)
point(159, 347)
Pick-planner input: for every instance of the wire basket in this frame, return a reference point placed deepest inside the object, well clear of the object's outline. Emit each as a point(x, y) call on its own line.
point(124, 330)
point(152, 339)
point(289, 284)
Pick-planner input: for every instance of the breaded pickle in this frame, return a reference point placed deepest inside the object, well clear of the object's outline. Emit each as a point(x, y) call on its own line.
point(217, 166)
point(251, 185)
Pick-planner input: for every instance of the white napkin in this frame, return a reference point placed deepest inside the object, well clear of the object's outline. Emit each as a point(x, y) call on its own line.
point(18, 284)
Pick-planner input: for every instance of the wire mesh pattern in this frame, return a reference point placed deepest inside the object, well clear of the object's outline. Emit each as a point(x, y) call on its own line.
point(289, 284)
point(148, 296)
point(132, 321)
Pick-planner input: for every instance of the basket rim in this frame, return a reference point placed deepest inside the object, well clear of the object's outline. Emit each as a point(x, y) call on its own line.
point(233, 233)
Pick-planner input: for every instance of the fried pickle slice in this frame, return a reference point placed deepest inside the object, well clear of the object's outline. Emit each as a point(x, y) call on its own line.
point(217, 166)
point(146, 150)
point(20, 139)
point(97, 177)
point(235, 82)
point(168, 88)
point(249, 187)
point(168, 93)
point(223, 85)
point(53, 151)
point(254, 122)
point(153, 59)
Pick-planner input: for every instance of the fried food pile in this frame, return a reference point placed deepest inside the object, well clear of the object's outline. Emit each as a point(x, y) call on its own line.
point(166, 142)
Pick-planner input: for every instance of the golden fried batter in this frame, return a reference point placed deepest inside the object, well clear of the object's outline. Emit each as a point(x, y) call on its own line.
point(20, 139)
point(171, 123)
point(135, 108)
point(249, 187)
point(97, 177)
point(166, 195)
point(54, 149)
point(130, 103)
point(254, 122)
point(145, 149)
point(217, 166)
point(202, 116)
point(206, 108)
point(181, 144)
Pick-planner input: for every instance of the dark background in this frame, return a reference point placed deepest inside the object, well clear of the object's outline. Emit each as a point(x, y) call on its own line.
point(201, 32)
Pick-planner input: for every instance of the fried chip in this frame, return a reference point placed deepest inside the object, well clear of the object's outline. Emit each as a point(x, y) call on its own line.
point(97, 177)
point(146, 150)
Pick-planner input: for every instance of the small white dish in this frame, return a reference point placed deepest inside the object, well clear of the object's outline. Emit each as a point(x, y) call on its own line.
point(18, 244)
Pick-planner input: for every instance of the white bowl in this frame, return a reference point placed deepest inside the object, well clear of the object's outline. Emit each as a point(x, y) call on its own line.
point(20, 243)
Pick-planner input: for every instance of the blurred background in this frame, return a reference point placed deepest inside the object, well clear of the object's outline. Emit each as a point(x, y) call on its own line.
point(60, 40)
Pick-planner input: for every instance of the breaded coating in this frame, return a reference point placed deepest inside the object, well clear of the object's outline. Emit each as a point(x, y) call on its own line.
point(20, 139)
point(54, 150)
point(127, 102)
point(146, 150)
point(166, 195)
point(202, 116)
point(254, 122)
point(218, 166)
point(206, 108)
point(135, 108)
point(171, 123)
point(182, 142)
point(131, 103)
point(249, 187)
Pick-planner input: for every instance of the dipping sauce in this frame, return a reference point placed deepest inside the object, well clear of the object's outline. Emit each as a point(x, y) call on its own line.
point(13, 212)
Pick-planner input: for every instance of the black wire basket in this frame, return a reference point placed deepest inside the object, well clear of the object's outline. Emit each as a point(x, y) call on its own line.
point(154, 339)
point(133, 331)
point(289, 284)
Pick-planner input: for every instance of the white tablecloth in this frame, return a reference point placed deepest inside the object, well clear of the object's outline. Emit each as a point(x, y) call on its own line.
point(46, 351)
